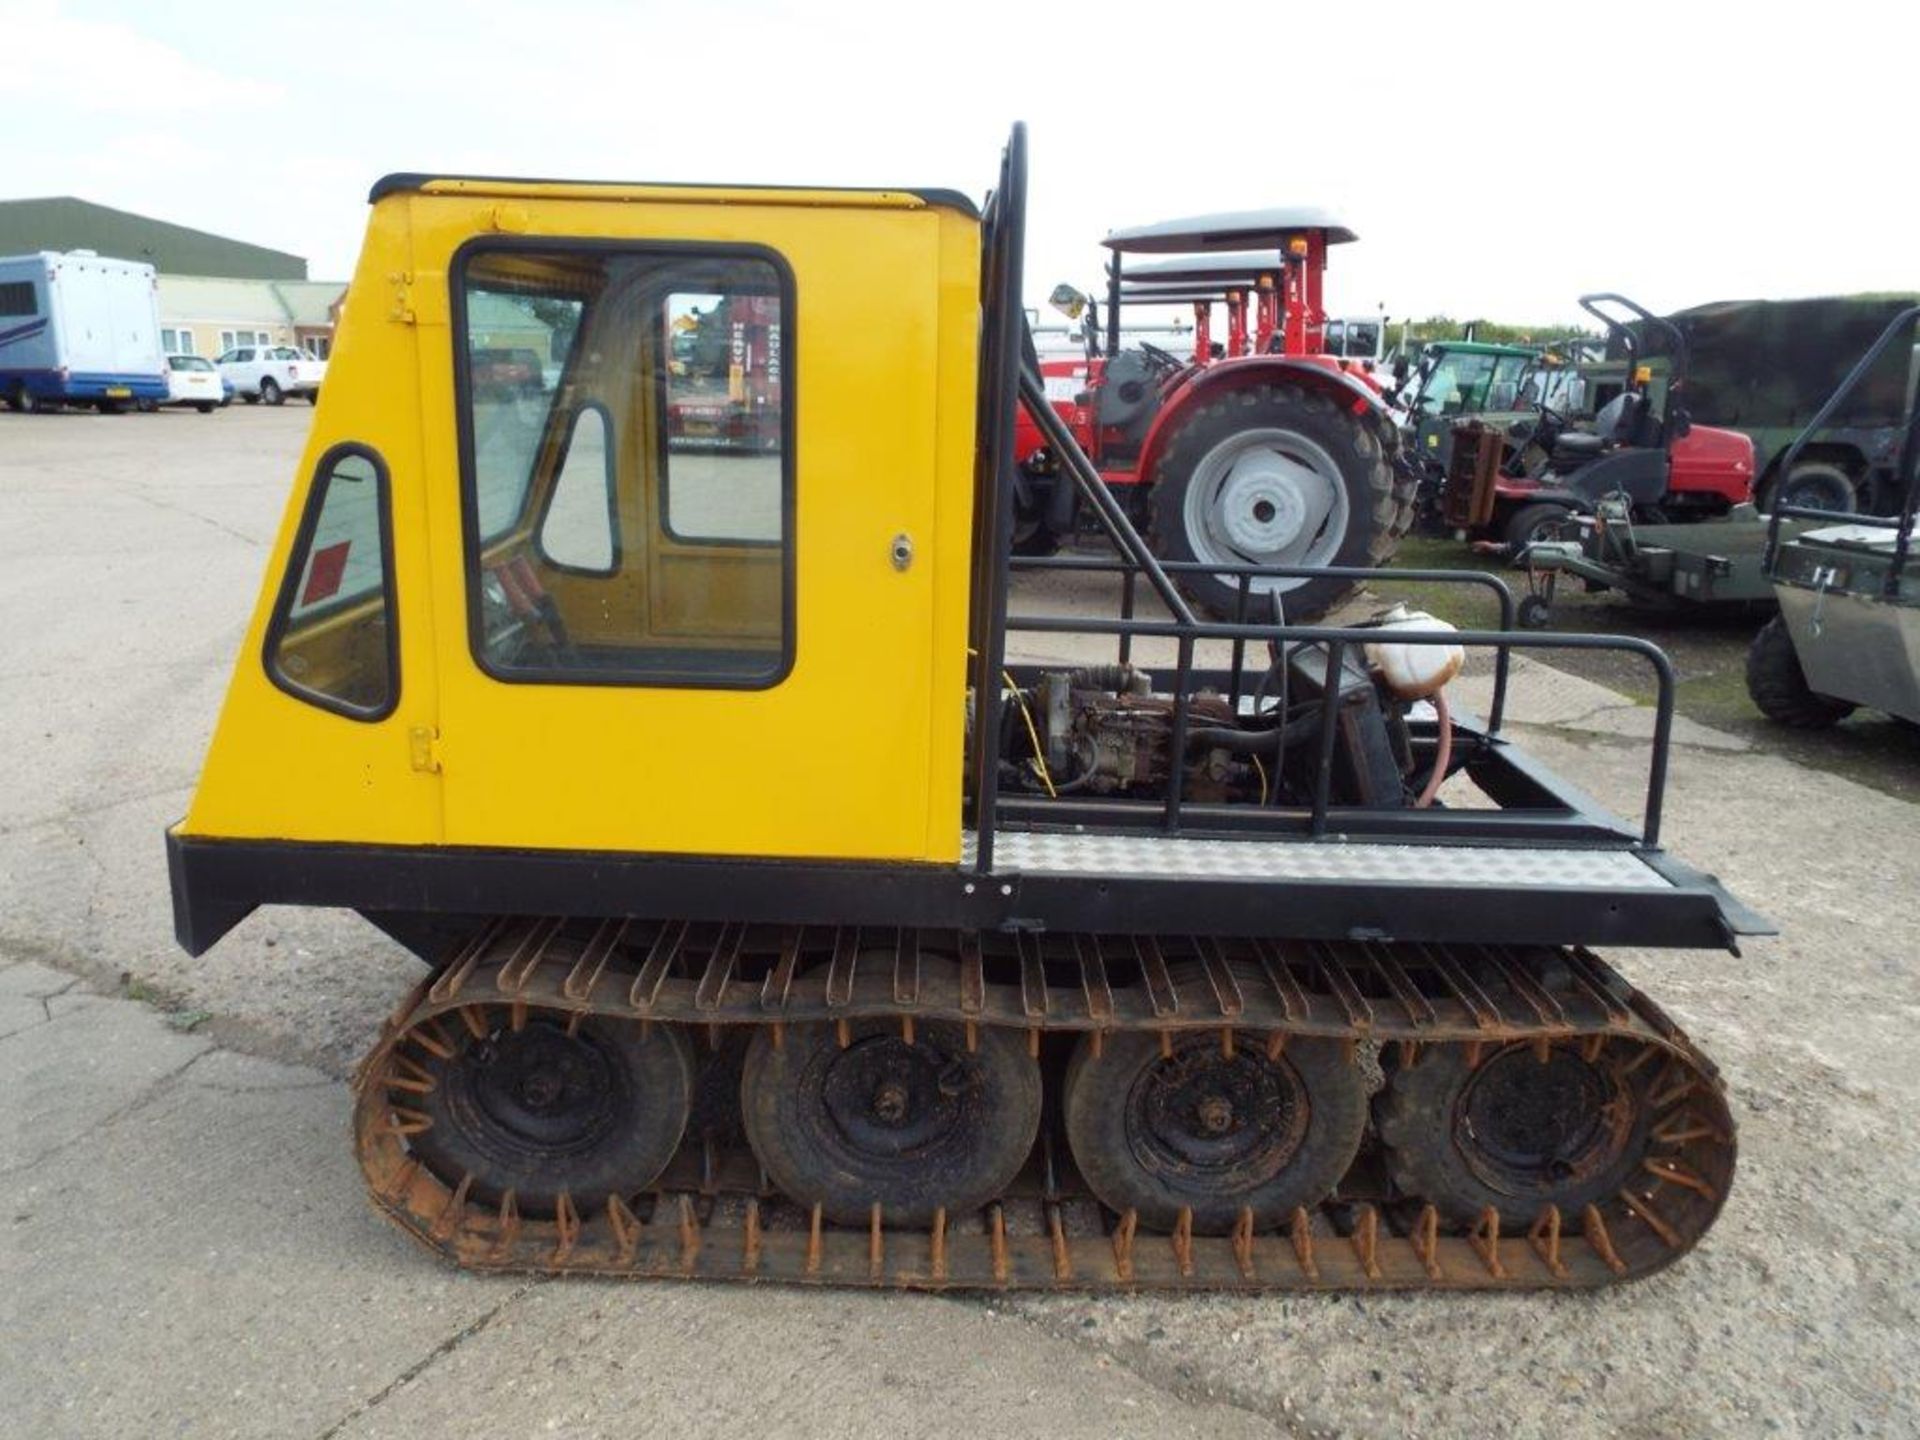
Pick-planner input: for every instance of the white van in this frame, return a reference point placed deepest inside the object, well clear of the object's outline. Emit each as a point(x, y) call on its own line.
point(79, 329)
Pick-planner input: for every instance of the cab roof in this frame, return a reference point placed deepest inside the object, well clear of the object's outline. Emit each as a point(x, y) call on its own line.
point(1481, 347)
point(1227, 230)
point(427, 182)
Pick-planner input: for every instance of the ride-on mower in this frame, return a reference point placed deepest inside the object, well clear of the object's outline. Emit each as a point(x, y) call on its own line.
point(782, 925)
point(1642, 447)
point(1280, 454)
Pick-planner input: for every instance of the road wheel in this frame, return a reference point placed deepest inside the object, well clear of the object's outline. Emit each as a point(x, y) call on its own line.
point(313, 396)
point(270, 392)
point(1202, 1130)
point(594, 1112)
point(205, 407)
point(913, 1127)
point(1779, 686)
point(1515, 1132)
point(1275, 475)
point(1533, 523)
point(20, 399)
point(1535, 612)
point(1815, 485)
point(249, 399)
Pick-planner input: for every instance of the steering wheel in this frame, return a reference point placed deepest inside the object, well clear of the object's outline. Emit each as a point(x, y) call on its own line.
point(1549, 425)
point(1159, 357)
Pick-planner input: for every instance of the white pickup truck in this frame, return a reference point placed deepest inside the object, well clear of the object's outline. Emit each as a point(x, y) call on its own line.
point(272, 372)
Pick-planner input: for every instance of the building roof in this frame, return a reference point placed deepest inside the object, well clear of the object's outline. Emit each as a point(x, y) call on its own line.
point(63, 222)
point(309, 302)
point(216, 298)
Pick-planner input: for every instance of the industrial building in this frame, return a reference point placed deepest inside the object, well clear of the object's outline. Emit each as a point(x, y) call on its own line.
point(215, 292)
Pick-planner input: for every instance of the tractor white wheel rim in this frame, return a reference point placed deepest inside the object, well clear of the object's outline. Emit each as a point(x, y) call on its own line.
point(1266, 497)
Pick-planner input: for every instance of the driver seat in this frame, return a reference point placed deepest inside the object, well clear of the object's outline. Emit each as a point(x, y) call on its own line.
point(1621, 421)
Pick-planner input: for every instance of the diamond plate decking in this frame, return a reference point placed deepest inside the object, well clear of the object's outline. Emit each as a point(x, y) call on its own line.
point(1447, 866)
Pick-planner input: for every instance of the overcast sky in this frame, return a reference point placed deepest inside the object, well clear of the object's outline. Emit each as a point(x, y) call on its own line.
point(1496, 160)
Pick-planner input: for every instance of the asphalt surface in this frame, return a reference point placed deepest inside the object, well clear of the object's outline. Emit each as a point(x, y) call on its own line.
point(187, 1251)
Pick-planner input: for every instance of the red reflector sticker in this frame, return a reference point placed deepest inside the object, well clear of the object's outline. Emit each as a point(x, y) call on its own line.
point(323, 575)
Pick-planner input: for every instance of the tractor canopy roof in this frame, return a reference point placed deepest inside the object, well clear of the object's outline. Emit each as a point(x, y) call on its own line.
point(1238, 266)
point(1228, 230)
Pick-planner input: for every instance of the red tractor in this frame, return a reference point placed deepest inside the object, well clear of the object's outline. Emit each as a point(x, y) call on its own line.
point(1262, 450)
point(1642, 446)
point(725, 386)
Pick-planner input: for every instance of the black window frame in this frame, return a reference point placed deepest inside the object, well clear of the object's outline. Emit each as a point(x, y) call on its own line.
point(282, 616)
point(610, 483)
point(471, 542)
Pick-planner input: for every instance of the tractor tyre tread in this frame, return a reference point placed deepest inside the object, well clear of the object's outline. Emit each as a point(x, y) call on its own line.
point(1778, 685)
point(1385, 498)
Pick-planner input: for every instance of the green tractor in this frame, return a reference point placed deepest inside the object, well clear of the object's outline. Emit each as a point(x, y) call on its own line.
point(1458, 380)
point(1848, 632)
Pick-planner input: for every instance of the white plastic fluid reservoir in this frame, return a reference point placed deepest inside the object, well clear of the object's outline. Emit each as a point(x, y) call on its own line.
point(1414, 672)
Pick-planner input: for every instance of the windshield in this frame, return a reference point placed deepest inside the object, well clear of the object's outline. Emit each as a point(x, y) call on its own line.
point(1460, 382)
point(189, 362)
point(1353, 339)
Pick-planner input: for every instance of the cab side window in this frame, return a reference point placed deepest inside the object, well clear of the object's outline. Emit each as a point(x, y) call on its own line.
point(332, 638)
point(627, 455)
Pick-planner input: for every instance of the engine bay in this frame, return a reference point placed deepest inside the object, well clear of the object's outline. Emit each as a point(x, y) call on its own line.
point(1109, 731)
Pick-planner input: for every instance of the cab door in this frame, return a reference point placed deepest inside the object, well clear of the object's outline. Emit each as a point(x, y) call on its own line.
point(694, 472)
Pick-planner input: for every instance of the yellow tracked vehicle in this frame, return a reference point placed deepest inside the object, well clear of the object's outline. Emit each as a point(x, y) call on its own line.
point(780, 927)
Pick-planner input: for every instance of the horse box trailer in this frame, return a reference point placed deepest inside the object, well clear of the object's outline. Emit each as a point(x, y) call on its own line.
point(79, 329)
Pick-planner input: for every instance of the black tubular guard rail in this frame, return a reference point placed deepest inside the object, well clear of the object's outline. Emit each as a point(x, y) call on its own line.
point(1008, 376)
point(1908, 472)
point(1337, 639)
point(1243, 600)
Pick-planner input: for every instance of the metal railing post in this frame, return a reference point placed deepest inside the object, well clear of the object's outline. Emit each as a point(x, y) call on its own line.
point(1177, 763)
point(1329, 727)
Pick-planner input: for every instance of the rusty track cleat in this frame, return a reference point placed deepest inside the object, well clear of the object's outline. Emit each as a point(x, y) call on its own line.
point(1659, 1142)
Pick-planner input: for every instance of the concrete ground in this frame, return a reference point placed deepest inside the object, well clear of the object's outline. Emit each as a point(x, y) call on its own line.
point(187, 1252)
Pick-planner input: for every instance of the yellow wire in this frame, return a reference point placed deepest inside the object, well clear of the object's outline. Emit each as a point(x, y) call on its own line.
point(1261, 771)
point(1039, 755)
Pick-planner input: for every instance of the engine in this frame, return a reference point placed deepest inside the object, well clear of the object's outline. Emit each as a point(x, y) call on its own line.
point(1104, 731)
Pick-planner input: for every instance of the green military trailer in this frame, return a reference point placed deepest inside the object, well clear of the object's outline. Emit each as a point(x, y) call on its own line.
point(1712, 564)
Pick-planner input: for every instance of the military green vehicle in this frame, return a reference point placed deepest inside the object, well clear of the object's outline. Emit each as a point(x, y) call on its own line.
point(1848, 632)
point(1762, 367)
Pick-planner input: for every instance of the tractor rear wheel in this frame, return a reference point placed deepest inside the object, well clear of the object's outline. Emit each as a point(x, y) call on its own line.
point(1275, 475)
point(1779, 686)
